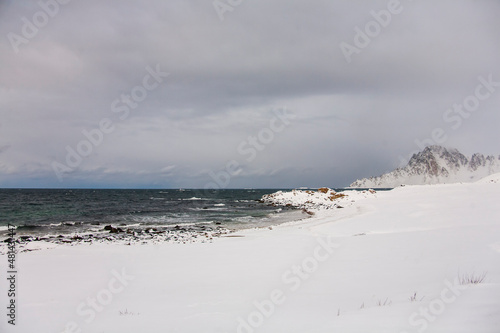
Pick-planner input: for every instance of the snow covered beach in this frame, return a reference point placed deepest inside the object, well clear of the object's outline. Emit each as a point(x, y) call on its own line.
point(383, 262)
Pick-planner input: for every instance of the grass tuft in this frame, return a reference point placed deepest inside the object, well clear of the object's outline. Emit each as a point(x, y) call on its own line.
point(415, 298)
point(471, 278)
point(126, 312)
point(386, 302)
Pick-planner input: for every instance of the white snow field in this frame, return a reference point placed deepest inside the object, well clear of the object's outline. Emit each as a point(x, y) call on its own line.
point(387, 262)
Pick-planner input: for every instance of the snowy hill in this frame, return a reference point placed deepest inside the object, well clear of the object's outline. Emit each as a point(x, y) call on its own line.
point(494, 178)
point(435, 165)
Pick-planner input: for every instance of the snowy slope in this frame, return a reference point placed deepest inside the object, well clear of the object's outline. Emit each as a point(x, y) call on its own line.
point(348, 270)
point(435, 165)
point(494, 178)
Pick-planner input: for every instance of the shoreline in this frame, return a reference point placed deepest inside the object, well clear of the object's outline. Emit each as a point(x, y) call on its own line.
point(131, 235)
point(347, 269)
point(309, 203)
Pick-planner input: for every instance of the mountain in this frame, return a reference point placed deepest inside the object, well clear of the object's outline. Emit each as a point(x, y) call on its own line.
point(435, 165)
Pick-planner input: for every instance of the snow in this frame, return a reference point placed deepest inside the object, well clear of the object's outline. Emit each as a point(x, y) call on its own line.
point(322, 199)
point(495, 178)
point(330, 273)
point(38, 245)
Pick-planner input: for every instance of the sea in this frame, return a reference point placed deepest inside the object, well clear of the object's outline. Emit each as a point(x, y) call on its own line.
point(67, 211)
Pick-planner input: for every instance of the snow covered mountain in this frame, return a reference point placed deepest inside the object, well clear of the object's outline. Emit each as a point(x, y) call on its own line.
point(435, 165)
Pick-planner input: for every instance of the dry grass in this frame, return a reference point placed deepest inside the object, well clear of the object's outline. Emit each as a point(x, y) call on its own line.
point(126, 312)
point(386, 302)
point(415, 298)
point(471, 278)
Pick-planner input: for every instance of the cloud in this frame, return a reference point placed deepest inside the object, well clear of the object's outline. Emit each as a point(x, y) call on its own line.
point(226, 78)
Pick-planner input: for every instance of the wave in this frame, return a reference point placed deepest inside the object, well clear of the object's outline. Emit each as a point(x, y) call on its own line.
point(71, 223)
point(244, 219)
point(30, 227)
point(5, 228)
point(208, 209)
point(196, 198)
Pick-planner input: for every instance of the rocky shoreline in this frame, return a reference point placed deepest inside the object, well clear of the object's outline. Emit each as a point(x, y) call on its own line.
point(125, 235)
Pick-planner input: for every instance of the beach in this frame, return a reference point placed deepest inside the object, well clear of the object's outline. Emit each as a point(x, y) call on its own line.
point(413, 259)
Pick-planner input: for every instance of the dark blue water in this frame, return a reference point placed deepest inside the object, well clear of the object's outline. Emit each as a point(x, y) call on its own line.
point(51, 211)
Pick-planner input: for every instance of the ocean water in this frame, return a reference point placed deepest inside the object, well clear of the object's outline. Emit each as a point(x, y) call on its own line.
point(59, 211)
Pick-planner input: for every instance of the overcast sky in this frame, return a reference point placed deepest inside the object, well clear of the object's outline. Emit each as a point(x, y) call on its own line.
point(244, 93)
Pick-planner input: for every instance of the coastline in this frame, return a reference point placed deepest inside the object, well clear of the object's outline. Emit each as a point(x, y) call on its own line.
point(331, 272)
point(131, 216)
point(303, 204)
point(183, 233)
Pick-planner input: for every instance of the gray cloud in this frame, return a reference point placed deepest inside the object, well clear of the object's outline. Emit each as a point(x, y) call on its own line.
point(226, 77)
